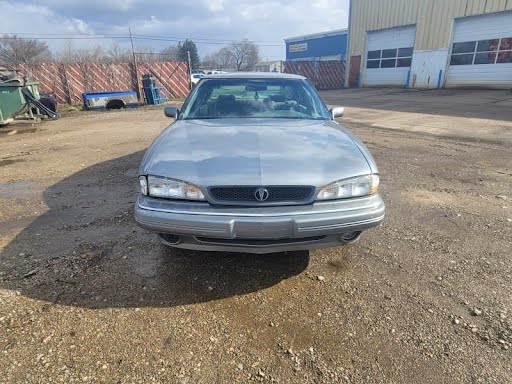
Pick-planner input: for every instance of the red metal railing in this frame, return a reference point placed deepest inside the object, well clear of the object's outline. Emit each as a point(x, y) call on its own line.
point(323, 74)
point(68, 82)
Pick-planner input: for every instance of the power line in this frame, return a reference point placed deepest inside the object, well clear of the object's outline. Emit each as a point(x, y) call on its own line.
point(209, 39)
point(203, 41)
point(59, 34)
point(168, 54)
point(84, 34)
point(95, 37)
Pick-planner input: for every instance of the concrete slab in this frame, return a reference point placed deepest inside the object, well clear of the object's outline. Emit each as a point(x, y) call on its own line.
point(474, 115)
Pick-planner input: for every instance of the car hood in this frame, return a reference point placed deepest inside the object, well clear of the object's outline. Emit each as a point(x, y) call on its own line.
point(256, 152)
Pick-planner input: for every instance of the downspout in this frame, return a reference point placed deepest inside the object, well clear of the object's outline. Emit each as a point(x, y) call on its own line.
point(347, 69)
point(408, 81)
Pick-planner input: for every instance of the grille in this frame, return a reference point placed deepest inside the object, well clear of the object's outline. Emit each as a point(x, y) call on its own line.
point(275, 194)
point(259, 242)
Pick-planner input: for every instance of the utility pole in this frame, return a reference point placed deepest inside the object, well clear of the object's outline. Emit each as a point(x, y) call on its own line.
point(135, 68)
point(189, 63)
point(189, 70)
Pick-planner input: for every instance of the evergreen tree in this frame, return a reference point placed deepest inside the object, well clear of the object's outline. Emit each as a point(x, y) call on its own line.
point(189, 46)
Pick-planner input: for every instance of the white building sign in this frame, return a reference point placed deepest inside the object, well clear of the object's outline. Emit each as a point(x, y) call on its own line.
point(302, 47)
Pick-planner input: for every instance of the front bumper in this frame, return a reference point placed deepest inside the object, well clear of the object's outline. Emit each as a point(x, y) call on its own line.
point(201, 226)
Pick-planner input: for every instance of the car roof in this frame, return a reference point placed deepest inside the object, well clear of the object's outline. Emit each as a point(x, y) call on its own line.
point(253, 75)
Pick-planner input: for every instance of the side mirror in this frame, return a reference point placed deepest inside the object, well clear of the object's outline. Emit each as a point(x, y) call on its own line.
point(171, 112)
point(337, 112)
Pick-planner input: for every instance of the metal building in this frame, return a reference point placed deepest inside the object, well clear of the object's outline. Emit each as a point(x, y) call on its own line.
point(430, 43)
point(321, 57)
point(322, 46)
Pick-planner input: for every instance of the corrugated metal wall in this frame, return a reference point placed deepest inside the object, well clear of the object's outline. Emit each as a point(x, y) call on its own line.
point(433, 18)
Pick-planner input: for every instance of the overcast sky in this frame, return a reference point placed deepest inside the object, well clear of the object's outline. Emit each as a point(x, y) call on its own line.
point(266, 21)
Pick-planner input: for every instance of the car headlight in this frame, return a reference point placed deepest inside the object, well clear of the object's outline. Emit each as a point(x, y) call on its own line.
point(143, 185)
point(170, 188)
point(353, 187)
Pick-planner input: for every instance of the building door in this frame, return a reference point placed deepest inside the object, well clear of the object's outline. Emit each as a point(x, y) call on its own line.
point(389, 56)
point(481, 52)
point(355, 71)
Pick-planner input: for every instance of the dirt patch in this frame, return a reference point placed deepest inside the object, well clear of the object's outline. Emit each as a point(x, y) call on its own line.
point(10, 161)
point(86, 295)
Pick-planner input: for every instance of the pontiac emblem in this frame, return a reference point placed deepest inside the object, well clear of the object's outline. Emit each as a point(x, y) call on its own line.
point(261, 194)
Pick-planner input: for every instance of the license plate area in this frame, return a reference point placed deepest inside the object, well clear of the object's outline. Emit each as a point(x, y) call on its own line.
point(264, 230)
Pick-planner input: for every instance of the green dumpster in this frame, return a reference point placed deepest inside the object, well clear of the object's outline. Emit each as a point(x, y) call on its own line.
point(12, 101)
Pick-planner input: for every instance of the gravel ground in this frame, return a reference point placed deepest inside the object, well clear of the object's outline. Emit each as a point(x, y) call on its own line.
point(87, 296)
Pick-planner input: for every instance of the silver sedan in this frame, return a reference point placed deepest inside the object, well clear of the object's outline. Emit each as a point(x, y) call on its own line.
point(256, 163)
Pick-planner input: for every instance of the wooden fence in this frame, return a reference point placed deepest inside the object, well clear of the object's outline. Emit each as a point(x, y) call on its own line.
point(68, 82)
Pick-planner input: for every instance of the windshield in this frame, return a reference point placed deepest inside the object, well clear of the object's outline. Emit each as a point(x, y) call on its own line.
point(254, 98)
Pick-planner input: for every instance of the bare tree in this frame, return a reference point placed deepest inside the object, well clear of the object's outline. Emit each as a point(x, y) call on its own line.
point(239, 55)
point(210, 62)
point(67, 54)
point(70, 55)
point(146, 54)
point(171, 53)
point(225, 59)
point(218, 60)
point(244, 54)
point(118, 54)
point(15, 50)
point(95, 54)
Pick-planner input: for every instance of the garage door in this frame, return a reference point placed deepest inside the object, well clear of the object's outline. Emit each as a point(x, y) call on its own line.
point(389, 56)
point(482, 51)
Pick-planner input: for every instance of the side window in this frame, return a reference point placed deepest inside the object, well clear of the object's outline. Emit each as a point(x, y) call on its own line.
point(373, 59)
point(389, 58)
point(490, 51)
point(374, 55)
point(505, 52)
point(467, 47)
